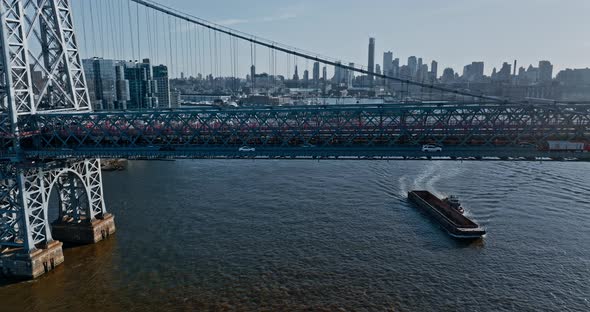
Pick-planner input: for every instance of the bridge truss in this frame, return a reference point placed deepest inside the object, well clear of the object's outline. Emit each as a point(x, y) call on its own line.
point(50, 137)
point(376, 129)
point(40, 73)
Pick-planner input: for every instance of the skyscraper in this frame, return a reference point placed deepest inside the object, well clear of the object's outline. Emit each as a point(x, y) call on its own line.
point(350, 76)
point(371, 65)
point(104, 83)
point(163, 86)
point(448, 75)
point(253, 74)
point(316, 72)
point(395, 67)
point(413, 66)
point(473, 72)
point(388, 63)
point(505, 73)
point(545, 71)
point(434, 70)
point(477, 69)
point(142, 87)
point(296, 75)
point(123, 95)
point(339, 73)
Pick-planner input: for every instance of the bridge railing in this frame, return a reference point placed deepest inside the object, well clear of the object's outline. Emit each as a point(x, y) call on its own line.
point(342, 126)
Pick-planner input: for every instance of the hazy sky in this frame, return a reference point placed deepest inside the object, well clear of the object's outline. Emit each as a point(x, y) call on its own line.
point(453, 32)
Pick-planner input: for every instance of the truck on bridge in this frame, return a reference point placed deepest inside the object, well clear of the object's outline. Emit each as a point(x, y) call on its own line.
point(567, 146)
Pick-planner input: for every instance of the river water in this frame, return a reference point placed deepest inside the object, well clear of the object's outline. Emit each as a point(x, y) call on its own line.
point(289, 235)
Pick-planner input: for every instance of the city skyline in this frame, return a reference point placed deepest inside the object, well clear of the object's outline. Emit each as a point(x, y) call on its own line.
point(562, 43)
point(499, 31)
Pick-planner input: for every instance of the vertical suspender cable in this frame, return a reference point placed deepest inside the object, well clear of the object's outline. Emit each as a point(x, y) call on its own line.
point(183, 64)
point(112, 30)
point(84, 30)
point(210, 53)
point(130, 29)
point(92, 29)
point(177, 63)
point(198, 49)
point(157, 37)
point(121, 30)
point(101, 30)
point(139, 67)
point(149, 33)
point(190, 48)
point(170, 61)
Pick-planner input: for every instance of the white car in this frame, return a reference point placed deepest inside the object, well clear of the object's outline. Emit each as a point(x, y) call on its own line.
point(431, 148)
point(247, 149)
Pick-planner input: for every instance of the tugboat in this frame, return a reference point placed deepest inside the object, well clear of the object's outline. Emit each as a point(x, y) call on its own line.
point(453, 202)
point(448, 213)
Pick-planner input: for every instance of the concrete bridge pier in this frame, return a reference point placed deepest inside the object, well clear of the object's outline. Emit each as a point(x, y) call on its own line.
point(29, 244)
point(23, 264)
point(84, 232)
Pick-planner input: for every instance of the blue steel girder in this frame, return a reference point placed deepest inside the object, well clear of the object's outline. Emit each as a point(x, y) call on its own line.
point(345, 126)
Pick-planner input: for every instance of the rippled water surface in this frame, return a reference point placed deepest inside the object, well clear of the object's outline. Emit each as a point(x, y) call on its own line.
point(322, 236)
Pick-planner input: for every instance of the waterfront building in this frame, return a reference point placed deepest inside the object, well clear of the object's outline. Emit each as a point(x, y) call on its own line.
point(163, 86)
point(107, 89)
point(175, 98)
point(545, 71)
point(142, 87)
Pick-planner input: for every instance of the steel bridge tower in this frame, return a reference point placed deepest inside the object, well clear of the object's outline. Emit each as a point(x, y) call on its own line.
point(41, 73)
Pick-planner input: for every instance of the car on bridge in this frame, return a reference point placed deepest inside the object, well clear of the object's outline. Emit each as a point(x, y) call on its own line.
point(430, 148)
point(247, 149)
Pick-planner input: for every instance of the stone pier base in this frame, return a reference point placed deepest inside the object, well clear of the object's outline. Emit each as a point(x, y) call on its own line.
point(24, 265)
point(84, 233)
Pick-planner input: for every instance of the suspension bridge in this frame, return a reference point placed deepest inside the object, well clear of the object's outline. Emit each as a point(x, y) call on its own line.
point(51, 139)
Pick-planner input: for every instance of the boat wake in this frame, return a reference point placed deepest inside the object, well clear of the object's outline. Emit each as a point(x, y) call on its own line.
point(428, 178)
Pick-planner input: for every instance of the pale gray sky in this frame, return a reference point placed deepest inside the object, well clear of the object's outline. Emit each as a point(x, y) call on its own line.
point(453, 32)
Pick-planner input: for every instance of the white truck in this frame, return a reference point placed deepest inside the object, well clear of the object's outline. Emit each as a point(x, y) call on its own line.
point(566, 146)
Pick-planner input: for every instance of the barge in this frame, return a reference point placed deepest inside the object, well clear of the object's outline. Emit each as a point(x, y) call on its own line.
point(448, 214)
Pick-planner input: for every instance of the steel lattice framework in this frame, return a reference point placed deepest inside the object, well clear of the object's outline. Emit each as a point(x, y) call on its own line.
point(369, 126)
point(45, 113)
point(40, 73)
point(24, 195)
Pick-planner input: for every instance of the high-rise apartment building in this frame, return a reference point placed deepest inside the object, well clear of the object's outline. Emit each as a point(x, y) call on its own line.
point(142, 87)
point(306, 77)
point(316, 73)
point(107, 89)
point(395, 67)
point(371, 64)
point(296, 75)
point(163, 86)
point(350, 76)
point(412, 66)
point(434, 70)
point(545, 71)
point(388, 63)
